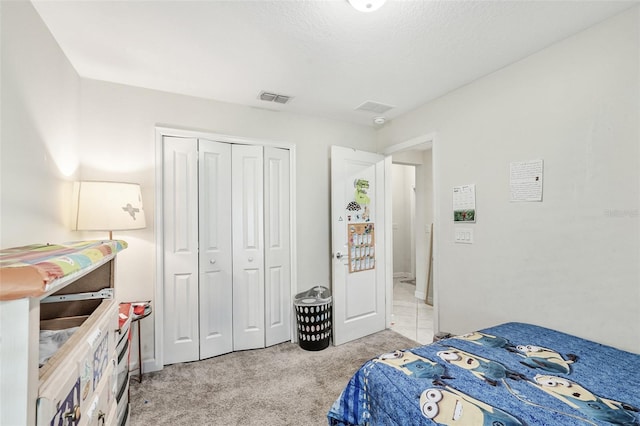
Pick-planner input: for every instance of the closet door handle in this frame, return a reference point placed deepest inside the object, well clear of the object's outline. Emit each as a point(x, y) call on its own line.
point(212, 261)
point(250, 259)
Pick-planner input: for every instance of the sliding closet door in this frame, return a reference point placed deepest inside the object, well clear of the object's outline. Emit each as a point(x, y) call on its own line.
point(216, 283)
point(180, 226)
point(277, 246)
point(248, 249)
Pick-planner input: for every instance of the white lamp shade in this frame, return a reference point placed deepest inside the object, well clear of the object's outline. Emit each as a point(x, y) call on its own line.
point(107, 206)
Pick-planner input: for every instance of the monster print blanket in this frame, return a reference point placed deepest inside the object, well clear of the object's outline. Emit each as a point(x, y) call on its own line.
point(509, 375)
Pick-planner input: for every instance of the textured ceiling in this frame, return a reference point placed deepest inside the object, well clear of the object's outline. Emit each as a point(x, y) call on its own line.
point(323, 53)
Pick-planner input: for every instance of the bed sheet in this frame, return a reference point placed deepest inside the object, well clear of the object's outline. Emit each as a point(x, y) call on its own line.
point(508, 375)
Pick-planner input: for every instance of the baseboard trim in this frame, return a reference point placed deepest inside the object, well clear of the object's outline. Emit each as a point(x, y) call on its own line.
point(149, 366)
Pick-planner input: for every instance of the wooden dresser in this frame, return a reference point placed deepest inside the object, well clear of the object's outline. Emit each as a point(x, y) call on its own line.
point(45, 289)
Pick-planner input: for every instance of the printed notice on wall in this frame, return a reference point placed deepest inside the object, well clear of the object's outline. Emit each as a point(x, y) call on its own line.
point(526, 180)
point(464, 203)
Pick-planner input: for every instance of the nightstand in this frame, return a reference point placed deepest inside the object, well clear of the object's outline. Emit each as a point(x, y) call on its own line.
point(141, 310)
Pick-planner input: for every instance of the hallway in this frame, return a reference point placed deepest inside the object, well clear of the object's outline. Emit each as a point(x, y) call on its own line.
point(411, 316)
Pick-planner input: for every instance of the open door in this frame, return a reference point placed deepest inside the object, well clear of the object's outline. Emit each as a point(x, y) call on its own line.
point(358, 243)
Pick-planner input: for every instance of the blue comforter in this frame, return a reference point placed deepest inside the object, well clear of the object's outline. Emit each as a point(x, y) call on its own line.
point(511, 374)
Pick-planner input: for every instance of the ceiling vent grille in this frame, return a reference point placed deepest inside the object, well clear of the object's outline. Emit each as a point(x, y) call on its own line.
point(274, 97)
point(376, 107)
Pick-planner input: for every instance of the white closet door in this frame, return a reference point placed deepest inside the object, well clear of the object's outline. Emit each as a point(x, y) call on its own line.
point(180, 189)
point(277, 246)
point(216, 283)
point(248, 249)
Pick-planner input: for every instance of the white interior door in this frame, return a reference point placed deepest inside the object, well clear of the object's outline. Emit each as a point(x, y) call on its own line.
point(248, 247)
point(358, 243)
point(277, 246)
point(216, 268)
point(180, 228)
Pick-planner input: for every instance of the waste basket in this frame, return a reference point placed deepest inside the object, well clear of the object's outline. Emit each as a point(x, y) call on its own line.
point(313, 312)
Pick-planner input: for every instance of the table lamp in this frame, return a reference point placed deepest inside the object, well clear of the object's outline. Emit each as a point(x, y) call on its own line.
point(107, 206)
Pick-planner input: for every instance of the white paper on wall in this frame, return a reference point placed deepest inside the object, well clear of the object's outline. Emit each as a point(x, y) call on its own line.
point(525, 180)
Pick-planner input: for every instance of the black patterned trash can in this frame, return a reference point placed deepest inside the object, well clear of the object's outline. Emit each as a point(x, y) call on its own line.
point(313, 314)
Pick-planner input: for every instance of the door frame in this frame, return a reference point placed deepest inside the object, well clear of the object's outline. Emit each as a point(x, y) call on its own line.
point(425, 141)
point(157, 362)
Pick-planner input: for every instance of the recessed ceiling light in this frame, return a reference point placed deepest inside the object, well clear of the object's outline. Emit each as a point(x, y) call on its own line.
point(366, 5)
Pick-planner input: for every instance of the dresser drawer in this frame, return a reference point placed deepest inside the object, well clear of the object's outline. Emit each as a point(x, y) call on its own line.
point(84, 364)
point(124, 321)
point(123, 403)
point(59, 401)
point(123, 364)
point(101, 409)
point(123, 420)
point(122, 386)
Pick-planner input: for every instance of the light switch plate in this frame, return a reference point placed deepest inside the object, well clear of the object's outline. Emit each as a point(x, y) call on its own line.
point(463, 235)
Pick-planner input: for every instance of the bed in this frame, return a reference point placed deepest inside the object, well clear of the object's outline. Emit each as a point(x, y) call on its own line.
point(507, 375)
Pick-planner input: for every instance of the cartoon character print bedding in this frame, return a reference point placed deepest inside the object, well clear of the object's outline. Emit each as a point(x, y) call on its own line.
point(513, 374)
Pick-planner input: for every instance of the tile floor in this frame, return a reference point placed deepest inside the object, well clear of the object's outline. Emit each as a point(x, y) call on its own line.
point(411, 316)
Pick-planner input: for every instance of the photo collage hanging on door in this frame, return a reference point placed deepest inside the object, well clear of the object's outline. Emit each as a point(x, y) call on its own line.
point(361, 230)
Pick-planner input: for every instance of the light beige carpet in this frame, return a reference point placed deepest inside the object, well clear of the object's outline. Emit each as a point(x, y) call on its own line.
point(280, 385)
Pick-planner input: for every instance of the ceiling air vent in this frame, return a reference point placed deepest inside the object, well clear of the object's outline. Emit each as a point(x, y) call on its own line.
point(274, 97)
point(376, 107)
point(281, 99)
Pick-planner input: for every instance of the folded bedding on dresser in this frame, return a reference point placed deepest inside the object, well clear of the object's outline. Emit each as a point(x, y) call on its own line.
point(511, 374)
point(29, 271)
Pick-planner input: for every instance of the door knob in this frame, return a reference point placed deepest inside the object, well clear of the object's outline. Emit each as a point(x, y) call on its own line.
point(338, 255)
point(250, 259)
point(212, 261)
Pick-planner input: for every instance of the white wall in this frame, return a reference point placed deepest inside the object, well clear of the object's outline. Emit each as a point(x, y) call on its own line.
point(117, 129)
point(424, 219)
point(421, 160)
point(38, 156)
point(58, 128)
point(403, 178)
point(571, 262)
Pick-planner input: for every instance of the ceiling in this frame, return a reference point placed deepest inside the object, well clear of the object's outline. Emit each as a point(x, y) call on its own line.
point(328, 57)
